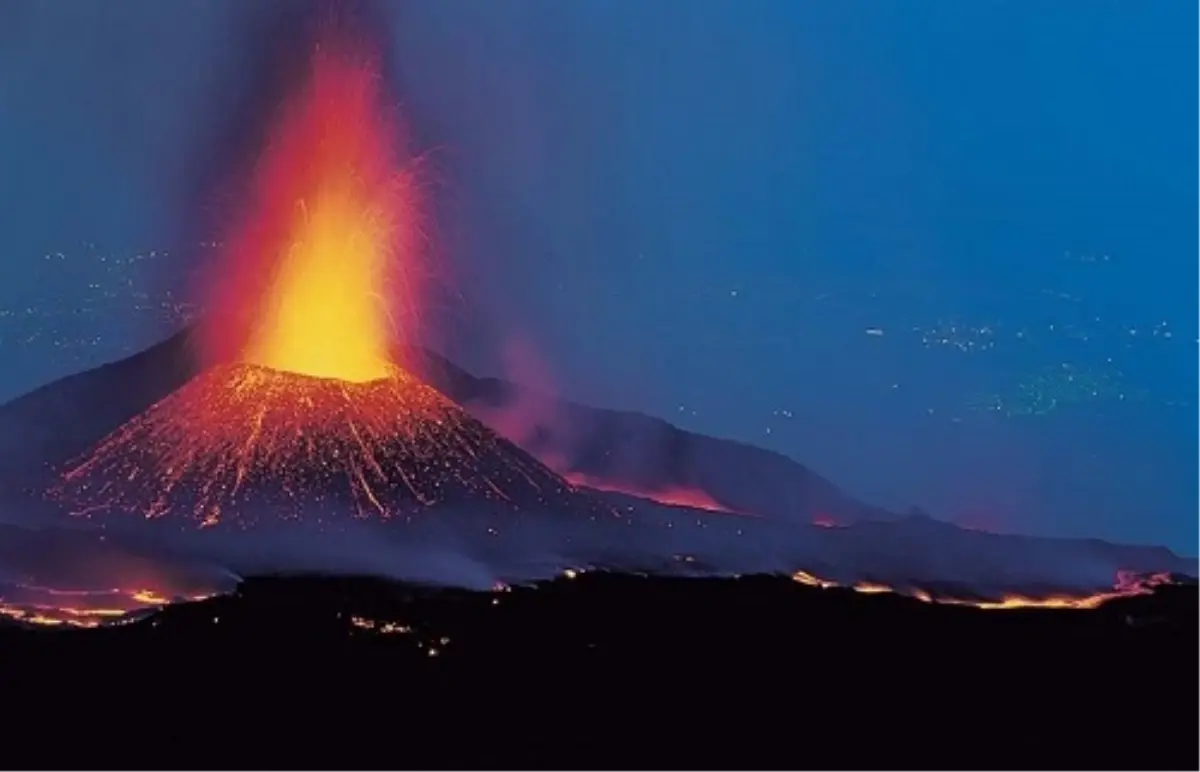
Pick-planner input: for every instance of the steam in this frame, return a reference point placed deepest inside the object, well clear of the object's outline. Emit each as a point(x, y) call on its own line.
point(531, 414)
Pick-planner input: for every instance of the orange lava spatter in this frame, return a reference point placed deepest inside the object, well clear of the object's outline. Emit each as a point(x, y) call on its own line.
point(240, 442)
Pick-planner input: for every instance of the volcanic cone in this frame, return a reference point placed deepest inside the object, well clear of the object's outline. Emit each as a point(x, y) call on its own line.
point(300, 407)
point(242, 441)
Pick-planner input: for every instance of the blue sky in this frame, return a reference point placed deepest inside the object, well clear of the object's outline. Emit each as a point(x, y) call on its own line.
point(698, 210)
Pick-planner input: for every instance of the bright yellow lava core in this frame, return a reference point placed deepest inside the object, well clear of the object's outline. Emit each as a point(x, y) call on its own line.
point(327, 247)
point(323, 315)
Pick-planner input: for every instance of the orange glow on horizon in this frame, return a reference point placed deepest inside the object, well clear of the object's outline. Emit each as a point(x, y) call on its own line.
point(317, 274)
point(1126, 585)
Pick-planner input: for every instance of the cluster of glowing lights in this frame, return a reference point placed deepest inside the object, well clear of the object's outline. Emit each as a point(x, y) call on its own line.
point(382, 627)
point(1127, 585)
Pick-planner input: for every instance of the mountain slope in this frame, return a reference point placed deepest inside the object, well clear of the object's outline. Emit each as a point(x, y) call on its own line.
point(237, 435)
point(642, 455)
point(59, 421)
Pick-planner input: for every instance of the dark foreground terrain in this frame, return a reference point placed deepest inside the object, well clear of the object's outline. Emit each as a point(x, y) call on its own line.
point(754, 651)
point(607, 626)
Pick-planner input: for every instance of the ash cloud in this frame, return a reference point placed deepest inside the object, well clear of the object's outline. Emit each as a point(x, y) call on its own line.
point(528, 410)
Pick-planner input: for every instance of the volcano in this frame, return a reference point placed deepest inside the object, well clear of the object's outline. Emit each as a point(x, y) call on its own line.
point(157, 434)
point(238, 442)
point(299, 399)
point(300, 404)
point(242, 440)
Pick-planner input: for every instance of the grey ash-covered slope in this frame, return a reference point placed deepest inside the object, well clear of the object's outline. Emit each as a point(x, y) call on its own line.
point(640, 453)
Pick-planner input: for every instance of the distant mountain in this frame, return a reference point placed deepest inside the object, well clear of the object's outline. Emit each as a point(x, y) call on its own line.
point(607, 449)
point(637, 454)
point(58, 421)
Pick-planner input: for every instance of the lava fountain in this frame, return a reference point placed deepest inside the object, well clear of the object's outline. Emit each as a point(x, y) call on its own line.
point(318, 274)
point(300, 402)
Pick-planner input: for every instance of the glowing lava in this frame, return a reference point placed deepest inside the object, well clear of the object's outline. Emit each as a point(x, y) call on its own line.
point(670, 496)
point(318, 274)
point(46, 606)
point(300, 405)
point(1126, 585)
point(242, 439)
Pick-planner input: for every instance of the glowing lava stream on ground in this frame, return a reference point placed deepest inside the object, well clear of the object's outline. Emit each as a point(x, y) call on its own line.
point(1127, 584)
point(669, 496)
point(89, 609)
point(82, 608)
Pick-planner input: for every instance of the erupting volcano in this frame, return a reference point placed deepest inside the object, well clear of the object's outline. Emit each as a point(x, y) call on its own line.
point(318, 275)
point(300, 403)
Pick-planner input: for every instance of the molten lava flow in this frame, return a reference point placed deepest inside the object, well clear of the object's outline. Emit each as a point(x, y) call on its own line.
point(322, 263)
point(670, 496)
point(80, 608)
point(242, 440)
point(1126, 585)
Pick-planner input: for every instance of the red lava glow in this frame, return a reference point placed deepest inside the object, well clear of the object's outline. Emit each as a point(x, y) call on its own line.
point(669, 496)
point(318, 275)
point(822, 520)
point(47, 606)
point(1127, 584)
point(241, 437)
point(301, 403)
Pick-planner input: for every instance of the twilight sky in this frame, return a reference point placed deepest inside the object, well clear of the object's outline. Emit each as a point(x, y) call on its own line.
point(940, 252)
